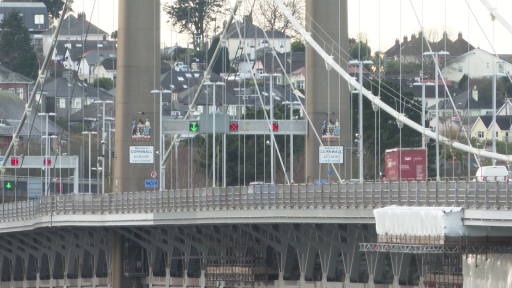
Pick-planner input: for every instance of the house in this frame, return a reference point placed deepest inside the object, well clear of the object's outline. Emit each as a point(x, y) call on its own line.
point(65, 95)
point(35, 17)
point(298, 78)
point(91, 59)
point(74, 28)
point(11, 110)
point(506, 108)
point(254, 37)
point(82, 57)
point(411, 50)
point(475, 63)
point(473, 107)
point(106, 69)
point(483, 127)
point(15, 82)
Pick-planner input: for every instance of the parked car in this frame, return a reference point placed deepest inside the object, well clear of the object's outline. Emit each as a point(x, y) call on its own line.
point(183, 68)
point(178, 65)
point(492, 174)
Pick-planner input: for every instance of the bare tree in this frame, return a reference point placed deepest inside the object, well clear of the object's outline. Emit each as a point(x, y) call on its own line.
point(272, 19)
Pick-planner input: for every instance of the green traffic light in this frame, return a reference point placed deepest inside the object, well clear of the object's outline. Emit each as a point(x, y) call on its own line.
point(8, 185)
point(193, 127)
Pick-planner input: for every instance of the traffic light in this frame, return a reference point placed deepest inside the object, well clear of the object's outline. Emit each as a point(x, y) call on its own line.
point(193, 127)
point(48, 161)
point(15, 161)
point(233, 126)
point(8, 185)
point(275, 127)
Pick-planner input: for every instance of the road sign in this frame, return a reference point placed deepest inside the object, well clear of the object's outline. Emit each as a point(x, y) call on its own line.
point(193, 126)
point(141, 154)
point(330, 172)
point(330, 154)
point(1, 159)
point(320, 181)
point(153, 174)
point(233, 126)
point(151, 183)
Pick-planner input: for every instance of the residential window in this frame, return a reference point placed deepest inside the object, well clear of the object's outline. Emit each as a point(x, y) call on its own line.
point(39, 19)
point(181, 78)
point(501, 68)
point(281, 43)
point(496, 134)
point(11, 89)
point(300, 84)
point(480, 135)
point(460, 69)
point(249, 43)
point(1, 17)
point(62, 103)
point(19, 91)
point(278, 80)
point(76, 103)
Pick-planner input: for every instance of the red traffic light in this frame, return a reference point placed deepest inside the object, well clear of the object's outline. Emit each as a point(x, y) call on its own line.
point(15, 161)
point(275, 126)
point(48, 162)
point(233, 126)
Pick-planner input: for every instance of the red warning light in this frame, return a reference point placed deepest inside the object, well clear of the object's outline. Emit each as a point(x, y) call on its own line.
point(58, 187)
point(47, 162)
point(15, 161)
point(233, 126)
point(275, 127)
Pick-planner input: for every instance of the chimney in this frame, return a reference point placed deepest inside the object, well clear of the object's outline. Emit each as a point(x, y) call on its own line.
point(247, 19)
point(460, 35)
point(413, 36)
point(397, 42)
point(101, 58)
point(253, 53)
point(405, 39)
point(475, 93)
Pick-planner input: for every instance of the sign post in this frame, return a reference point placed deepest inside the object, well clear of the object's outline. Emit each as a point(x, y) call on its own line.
point(330, 154)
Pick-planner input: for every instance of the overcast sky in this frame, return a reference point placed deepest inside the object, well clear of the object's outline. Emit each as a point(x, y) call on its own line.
point(395, 19)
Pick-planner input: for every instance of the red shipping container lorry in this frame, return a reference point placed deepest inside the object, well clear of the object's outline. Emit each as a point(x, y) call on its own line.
point(412, 162)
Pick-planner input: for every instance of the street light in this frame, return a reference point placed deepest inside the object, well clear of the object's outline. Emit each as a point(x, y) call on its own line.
point(161, 144)
point(423, 137)
point(47, 149)
point(361, 156)
point(494, 76)
point(89, 133)
point(271, 76)
point(214, 85)
point(435, 55)
point(103, 138)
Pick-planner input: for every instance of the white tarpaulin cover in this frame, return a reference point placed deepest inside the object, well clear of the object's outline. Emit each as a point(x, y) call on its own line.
point(419, 221)
point(495, 272)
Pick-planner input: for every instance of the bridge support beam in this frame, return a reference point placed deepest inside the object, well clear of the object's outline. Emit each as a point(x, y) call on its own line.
point(117, 259)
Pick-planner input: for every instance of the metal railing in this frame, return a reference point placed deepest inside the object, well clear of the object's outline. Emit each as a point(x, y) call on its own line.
point(367, 195)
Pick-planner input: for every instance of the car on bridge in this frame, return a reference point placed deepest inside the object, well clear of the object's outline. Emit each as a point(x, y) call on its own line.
point(492, 174)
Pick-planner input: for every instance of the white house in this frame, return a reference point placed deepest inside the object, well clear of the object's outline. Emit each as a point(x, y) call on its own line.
point(298, 78)
point(255, 37)
point(476, 63)
point(106, 69)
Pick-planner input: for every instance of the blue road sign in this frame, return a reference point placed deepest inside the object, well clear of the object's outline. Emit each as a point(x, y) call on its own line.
point(1, 159)
point(320, 181)
point(151, 183)
point(330, 172)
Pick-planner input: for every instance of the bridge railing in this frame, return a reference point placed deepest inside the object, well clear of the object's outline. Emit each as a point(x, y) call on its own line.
point(367, 195)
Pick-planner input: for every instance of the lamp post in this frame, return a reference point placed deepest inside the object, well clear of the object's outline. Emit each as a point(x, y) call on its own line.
point(361, 156)
point(46, 150)
point(162, 139)
point(494, 76)
point(271, 96)
point(423, 140)
point(214, 85)
point(89, 133)
point(435, 55)
point(103, 141)
point(110, 145)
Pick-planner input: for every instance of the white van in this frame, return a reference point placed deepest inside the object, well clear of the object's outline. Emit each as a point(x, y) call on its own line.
point(492, 174)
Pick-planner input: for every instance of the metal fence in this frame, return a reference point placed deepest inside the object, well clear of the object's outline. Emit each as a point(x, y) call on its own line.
point(367, 195)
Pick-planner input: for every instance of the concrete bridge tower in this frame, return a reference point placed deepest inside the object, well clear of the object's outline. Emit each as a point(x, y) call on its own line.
point(327, 97)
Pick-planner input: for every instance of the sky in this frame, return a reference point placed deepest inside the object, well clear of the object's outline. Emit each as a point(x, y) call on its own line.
point(380, 21)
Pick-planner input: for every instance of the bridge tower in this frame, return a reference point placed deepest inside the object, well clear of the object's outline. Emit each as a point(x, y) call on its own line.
point(138, 74)
point(327, 96)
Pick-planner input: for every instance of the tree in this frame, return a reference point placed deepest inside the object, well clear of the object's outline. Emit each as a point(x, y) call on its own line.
point(194, 17)
point(298, 46)
point(362, 53)
point(113, 35)
point(222, 64)
point(272, 19)
point(105, 83)
point(16, 52)
point(54, 7)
